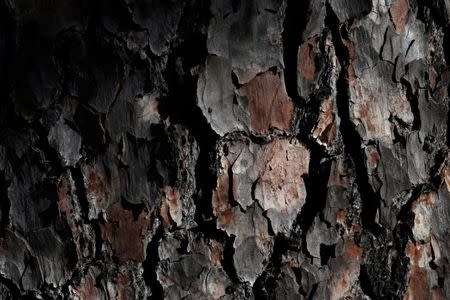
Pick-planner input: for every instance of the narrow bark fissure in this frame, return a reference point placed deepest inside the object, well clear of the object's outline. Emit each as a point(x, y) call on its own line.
point(316, 182)
point(186, 112)
point(231, 189)
point(414, 102)
point(5, 205)
point(313, 291)
point(351, 138)
point(14, 290)
point(326, 253)
point(80, 191)
point(228, 261)
point(296, 17)
point(265, 284)
point(83, 201)
point(150, 265)
point(366, 282)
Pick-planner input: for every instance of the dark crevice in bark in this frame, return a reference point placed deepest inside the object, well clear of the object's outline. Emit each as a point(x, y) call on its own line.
point(414, 103)
point(307, 113)
point(316, 182)
point(327, 252)
point(405, 215)
point(80, 191)
point(266, 283)
point(231, 188)
point(150, 265)
point(351, 138)
point(210, 231)
point(296, 17)
point(135, 208)
point(120, 12)
point(400, 266)
point(294, 24)
point(11, 286)
point(380, 55)
point(52, 160)
point(379, 279)
point(432, 12)
point(228, 261)
point(298, 278)
point(180, 105)
point(5, 205)
point(365, 282)
point(435, 169)
point(313, 291)
point(446, 44)
point(7, 58)
point(389, 281)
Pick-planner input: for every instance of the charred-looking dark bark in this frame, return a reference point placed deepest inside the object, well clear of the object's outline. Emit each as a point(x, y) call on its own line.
point(224, 149)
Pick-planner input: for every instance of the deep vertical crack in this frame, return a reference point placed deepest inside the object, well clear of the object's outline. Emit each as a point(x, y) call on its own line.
point(296, 17)
point(414, 103)
point(150, 265)
point(295, 20)
point(180, 103)
point(351, 138)
point(5, 205)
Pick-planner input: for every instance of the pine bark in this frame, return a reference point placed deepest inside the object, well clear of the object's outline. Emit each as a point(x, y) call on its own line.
point(244, 149)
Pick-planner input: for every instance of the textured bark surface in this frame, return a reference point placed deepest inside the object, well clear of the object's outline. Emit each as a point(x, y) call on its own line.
point(226, 149)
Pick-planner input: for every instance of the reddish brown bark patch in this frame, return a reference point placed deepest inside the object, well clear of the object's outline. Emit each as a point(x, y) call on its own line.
point(221, 206)
point(63, 189)
point(351, 56)
point(97, 188)
point(173, 203)
point(4, 246)
point(374, 158)
point(341, 216)
point(352, 252)
point(365, 113)
point(281, 167)
point(215, 254)
point(413, 253)
point(87, 290)
point(437, 294)
point(164, 214)
point(399, 12)
point(268, 104)
point(433, 77)
point(125, 234)
point(418, 286)
point(122, 290)
point(306, 61)
point(345, 271)
point(427, 198)
point(325, 130)
point(225, 217)
point(419, 254)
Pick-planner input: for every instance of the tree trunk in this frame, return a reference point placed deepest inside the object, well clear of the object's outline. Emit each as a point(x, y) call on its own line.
point(240, 149)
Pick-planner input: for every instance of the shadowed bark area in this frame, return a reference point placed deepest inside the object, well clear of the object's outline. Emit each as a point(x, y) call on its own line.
point(196, 149)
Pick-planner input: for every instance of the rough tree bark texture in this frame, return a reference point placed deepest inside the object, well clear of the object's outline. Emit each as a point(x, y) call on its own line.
point(224, 149)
